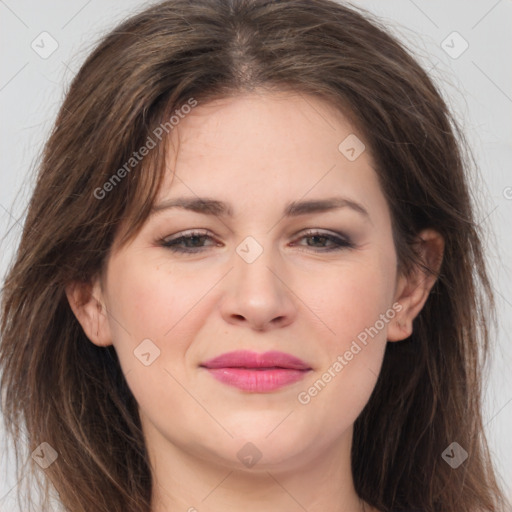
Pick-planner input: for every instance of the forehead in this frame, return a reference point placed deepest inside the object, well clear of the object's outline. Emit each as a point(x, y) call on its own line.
point(270, 143)
point(269, 151)
point(287, 124)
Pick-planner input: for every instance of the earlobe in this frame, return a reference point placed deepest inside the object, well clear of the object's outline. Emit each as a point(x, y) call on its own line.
point(412, 290)
point(86, 302)
point(399, 329)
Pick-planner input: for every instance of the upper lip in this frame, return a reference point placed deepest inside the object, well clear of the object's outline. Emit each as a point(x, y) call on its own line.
point(248, 359)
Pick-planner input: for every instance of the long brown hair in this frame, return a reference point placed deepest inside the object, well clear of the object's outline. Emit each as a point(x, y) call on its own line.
point(67, 392)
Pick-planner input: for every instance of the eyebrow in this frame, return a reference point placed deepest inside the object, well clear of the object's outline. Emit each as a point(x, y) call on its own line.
point(208, 206)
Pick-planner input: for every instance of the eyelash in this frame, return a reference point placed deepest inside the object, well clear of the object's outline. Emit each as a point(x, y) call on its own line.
point(341, 243)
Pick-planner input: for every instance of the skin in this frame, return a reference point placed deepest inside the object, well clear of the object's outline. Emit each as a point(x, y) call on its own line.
point(256, 151)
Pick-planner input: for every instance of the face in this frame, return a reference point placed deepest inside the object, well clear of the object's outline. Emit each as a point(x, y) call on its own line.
point(274, 268)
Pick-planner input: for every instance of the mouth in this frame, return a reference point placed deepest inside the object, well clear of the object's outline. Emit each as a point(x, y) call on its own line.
point(255, 372)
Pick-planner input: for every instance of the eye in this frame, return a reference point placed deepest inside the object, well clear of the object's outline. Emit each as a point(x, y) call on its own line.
point(187, 243)
point(338, 242)
point(193, 242)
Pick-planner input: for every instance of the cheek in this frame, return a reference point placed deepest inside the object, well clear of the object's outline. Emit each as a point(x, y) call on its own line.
point(351, 301)
point(357, 308)
point(148, 301)
point(151, 300)
point(353, 346)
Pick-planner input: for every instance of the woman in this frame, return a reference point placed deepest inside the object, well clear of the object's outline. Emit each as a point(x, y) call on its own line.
point(249, 275)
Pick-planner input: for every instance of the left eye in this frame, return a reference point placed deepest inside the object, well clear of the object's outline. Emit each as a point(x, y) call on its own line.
point(338, 242)
point(193, 242)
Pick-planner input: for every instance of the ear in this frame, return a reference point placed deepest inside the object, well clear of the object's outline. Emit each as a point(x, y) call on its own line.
point(86, 301)
point(412, 291)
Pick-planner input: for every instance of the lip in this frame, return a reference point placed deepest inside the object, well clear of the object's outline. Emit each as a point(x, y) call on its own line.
point(257, 372)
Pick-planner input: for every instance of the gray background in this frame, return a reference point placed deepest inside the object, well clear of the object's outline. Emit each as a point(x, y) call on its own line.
point(477, 84)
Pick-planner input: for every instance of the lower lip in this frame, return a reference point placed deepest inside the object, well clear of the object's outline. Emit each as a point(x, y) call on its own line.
point(257, 381)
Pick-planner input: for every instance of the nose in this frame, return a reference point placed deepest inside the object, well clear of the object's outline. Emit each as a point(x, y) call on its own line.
point(258, 294)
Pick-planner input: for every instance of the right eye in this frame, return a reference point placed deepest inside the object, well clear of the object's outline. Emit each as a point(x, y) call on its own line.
point(191, 242)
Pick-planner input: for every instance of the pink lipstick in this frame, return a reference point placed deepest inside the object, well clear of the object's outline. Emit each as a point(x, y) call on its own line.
point(255, 372)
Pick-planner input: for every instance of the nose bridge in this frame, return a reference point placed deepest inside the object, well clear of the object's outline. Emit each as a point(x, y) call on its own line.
point(255, 262)
point(256, 291)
